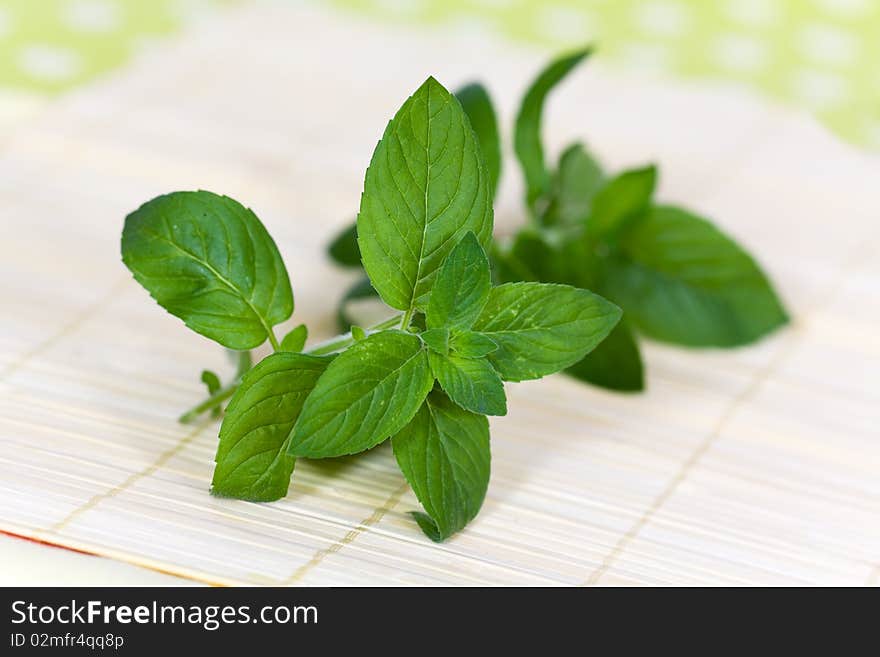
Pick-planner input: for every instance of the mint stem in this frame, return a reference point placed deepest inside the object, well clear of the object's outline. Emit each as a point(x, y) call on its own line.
point(407, 318)
point(341, 342)
point(244, 364)
point(274, 341)
point(211, 402)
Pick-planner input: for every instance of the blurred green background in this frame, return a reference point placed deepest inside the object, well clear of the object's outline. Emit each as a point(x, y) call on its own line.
point(820, 55)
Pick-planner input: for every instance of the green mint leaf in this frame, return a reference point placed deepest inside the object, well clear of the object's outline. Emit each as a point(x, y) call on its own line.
point(428, 526)
point(368, 393)
point(362, 289)
point(615, 364)
point(208, 260)
point(444, 455)
point(477, 104)
point(212, 382)
point(682, 280)
point(531, 258)
point(575, 185)
point(625, 198)
point(509, 266)
point(541, 328)
point(527, 133)
point(296, 339)
point(437, 340)
point(343, 250)
point(426, 187)
point(470, 382)
point(252, 459)
point(470, 344)
point(461, 287)
point(358, 333)
point(418, 322)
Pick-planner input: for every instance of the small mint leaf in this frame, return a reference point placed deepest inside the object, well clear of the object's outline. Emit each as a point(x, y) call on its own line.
point(531, 258)
point(624, 199)
point(437, 339)
point(358, 333)
point(575, 184)
point(444, 454)
point(541, 328)
point(343, 250)
point(470, 382)
point(461, 287)
point(362, 289)
point(212, 382)
point(470, 344)
point(295, 340)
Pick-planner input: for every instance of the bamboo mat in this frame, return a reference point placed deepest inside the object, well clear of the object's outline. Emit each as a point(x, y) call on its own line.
point(755, 466)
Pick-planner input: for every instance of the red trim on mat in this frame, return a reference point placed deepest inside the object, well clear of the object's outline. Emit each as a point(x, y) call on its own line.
point(50, 544)
point(101, 556)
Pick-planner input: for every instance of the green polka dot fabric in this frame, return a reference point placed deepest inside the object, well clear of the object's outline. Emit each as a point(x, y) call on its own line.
point(49, 46)
point(821, 55)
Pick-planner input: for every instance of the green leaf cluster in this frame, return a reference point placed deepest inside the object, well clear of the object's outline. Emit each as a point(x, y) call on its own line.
point(677, 277)
point(427, 377)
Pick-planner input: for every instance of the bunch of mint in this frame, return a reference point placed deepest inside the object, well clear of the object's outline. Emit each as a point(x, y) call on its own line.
point(426, 377)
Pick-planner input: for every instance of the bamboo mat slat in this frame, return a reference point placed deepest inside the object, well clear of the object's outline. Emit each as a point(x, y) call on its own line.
point(752, 466)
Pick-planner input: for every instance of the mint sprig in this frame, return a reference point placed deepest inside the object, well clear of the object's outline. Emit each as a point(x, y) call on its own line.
point(428, 375)
point(678, 278)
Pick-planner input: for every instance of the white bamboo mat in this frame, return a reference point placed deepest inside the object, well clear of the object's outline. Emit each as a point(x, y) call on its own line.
point(757, 466)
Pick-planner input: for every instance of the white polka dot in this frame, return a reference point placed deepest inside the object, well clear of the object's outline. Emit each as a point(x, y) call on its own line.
point(49, 62)
point(646, 57)
point(752, 12)
point(845, 8)
point(824, 43)
point(566, 24)
point(662, 18)
point(190, 10)
point(146, 43)
point(474, 28)
point(872, 134)
point(737, 52)
point(401, 6)
point(92, 15)
point(494, 4)
point(818, 90)
point(5, 22)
